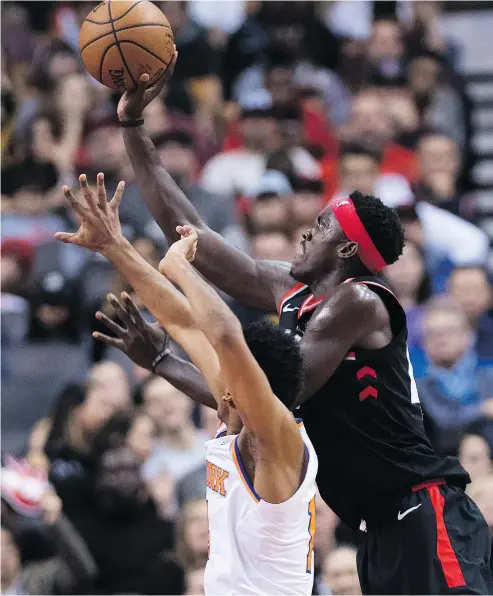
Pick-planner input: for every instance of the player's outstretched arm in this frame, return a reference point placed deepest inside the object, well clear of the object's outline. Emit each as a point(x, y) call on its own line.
point(147, 344)
point(278, 441)
point(258, 283)
point(100, 231)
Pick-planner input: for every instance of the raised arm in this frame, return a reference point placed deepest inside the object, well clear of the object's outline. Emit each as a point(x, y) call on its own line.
point(277, 439)
point(101, 231)
point(258, 283)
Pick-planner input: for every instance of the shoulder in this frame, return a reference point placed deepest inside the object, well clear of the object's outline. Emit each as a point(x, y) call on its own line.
point(350, 299)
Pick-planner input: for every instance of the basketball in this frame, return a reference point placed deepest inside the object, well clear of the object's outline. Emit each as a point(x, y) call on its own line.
point(122, 39)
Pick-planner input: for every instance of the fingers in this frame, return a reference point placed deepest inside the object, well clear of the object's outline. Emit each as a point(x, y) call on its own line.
point(112, 326)
point(102, 200)
point(117, 197)
point(110, 341)
point(88, 194)
point(120, 311)
point(66, 237)
point(76, 206)
point(184, 231)
point(133, 310)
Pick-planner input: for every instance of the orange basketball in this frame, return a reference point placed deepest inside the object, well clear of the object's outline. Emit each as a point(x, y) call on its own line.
point(121, 39)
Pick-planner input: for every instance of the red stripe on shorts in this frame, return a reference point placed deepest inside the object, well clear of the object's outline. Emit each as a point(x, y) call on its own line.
point(448, 558)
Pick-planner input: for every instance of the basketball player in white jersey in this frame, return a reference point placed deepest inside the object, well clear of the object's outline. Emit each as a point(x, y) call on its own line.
point(261, 468)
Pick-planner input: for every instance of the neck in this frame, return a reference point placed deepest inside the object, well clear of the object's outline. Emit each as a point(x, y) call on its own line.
point(330, 281)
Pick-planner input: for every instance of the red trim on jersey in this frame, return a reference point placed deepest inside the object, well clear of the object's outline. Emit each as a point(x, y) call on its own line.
point(294, 290)
point(310, 303)
point(445, 552)
point(348, 218)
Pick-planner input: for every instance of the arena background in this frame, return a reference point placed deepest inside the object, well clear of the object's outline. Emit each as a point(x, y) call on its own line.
point(274, 108)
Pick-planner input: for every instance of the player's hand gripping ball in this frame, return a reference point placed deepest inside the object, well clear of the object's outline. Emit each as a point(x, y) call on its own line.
point(122, 39)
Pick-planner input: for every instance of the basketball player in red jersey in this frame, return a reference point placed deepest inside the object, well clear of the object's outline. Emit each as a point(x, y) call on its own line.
point(359, 403)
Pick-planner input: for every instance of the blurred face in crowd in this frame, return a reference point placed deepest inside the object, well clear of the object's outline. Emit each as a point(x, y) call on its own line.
point(106, 149)
point(98, 407)
point(370, 119)
point(406, 274)
point(111, 378)
point(169, 408)
point(270, 212)
point(29, 202)
point(475, 456)
point(424, 74)
point(447, 336)
point(180, 161)
point(194, 580)
point(386, 40)
point(259, 133)
point(119, 484)
point(472, 290)
point(358, 171)
point(10, 560)
point(481, 491)
point(306, 206)
point(141, 436)
point(197, 527)
point(291, 133)
point(272, 246)
point(340, 572)
point(438, 154)
point(279, 82)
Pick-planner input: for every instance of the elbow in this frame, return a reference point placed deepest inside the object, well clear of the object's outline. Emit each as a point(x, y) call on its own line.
point(226, 333)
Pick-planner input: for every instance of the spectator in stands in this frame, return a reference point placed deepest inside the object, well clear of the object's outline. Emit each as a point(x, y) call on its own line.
point(232, 172)
point(340, 575)
point(308, 201)
point(448, 241)
point(272, 245)
point(475, 455)
point(439, 165)
point(439, 104)
point(192, 535)
point(386, 51)
point(411, 284)
point(372, 121)
point(179, 447)
point(472, 289)
point(455, 390)
point(72, 570)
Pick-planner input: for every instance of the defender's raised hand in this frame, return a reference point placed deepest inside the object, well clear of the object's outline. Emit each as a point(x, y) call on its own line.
point(132, 103)
point(140, 340)
point(100, 223)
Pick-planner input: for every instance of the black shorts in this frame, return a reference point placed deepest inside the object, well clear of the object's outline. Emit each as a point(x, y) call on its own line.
point(437, 543)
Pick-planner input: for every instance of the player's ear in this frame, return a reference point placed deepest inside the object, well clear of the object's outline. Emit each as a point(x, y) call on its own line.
point(347, 250)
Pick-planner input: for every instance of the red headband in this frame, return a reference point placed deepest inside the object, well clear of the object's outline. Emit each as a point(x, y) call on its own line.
point(351, 225)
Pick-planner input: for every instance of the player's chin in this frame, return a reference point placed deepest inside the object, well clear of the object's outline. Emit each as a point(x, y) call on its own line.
point(297, 268)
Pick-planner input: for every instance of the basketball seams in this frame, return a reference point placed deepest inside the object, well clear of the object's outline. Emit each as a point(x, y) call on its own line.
point(101, 63)
point(117, 18)
point(123, 29)
point(117, 42)
point(135, 43)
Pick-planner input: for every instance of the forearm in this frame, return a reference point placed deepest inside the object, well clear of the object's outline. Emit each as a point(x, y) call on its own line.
point(186, 378)
point(159, 295)
point(257, 283)
point(211, 313)
point(166, 202)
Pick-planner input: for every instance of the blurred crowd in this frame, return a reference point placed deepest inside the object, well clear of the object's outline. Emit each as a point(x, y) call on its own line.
point(274, 108)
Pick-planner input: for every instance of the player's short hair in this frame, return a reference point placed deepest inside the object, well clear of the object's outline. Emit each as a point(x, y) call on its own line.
point(382, 224)
point(279, 356)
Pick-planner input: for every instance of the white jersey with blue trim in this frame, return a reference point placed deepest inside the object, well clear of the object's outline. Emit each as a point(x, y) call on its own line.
point(257, 547)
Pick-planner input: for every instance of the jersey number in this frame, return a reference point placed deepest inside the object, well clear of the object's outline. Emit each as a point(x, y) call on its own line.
point(311, 532)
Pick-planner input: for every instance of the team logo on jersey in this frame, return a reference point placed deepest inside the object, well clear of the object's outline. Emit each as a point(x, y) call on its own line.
point(215, 478)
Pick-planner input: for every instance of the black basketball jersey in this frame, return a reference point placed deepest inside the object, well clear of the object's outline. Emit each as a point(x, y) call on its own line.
point(366, 422)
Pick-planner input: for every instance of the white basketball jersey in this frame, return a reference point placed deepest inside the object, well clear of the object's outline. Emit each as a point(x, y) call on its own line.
point(257, 547)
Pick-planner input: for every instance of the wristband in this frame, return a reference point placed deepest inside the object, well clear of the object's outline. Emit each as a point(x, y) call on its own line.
point(131, 123)
point(161, 356)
